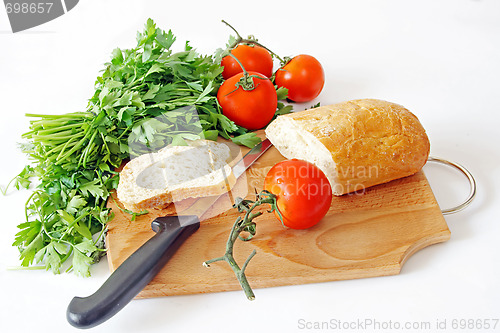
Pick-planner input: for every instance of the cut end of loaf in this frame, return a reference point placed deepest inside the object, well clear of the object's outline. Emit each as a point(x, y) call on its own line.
point(292, 142)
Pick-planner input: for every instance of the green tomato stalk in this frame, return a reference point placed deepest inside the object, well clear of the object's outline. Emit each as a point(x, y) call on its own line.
point(250, 40)
point(245, 224)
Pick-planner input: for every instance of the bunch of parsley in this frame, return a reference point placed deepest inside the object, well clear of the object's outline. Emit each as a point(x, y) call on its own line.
point(145, 98)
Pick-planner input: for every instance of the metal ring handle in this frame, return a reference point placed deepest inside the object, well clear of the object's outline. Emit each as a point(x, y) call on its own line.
point(467, 174)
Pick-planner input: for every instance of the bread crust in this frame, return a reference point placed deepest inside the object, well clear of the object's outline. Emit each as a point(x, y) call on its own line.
point(371, 141)
point(164, 199)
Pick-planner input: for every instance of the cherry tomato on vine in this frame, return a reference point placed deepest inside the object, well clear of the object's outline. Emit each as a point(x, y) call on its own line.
point(252, 108)
point(252, 57)
point(303, 192)
point(303, 76)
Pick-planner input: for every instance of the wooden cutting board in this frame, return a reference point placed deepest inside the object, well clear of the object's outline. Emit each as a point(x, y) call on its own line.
point(363, 235)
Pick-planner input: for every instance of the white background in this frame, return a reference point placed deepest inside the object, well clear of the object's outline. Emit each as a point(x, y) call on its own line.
point(440, 59)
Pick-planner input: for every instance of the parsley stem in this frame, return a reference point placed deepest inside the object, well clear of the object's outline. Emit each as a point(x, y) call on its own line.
point(72, 150)
point(66, 145)
point(70, 225)
point(60, 137)
point(61, 148)
point(103, 230)
point(27, 205)
point(105, 144)
point(90, 146)
point(72, 116)
point(57, 129)
point(26, 268)
point(70, 251)
point(4, 190)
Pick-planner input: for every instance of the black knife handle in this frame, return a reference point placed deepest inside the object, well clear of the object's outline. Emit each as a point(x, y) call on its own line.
point(134, 273)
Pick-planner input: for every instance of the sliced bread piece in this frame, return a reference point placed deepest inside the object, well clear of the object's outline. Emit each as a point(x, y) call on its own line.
point(176, 173)
point(357, 143)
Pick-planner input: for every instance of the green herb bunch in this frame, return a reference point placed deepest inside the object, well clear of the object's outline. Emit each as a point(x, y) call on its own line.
point(145, 98)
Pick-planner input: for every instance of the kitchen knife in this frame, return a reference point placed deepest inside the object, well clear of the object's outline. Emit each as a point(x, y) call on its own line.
point(145, 263)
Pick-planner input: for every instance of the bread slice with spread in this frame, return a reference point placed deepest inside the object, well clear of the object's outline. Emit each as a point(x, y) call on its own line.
point(175, 173)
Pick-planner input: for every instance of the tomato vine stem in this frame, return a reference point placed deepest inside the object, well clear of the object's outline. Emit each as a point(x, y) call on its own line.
point(246, 82)
point(241, 40)
point(248, 225)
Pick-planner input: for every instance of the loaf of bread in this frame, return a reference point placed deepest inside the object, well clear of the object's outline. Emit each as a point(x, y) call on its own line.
point(175, 173)
point(357, 143)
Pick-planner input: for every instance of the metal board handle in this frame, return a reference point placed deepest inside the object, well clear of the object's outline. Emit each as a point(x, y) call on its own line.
point(470, 178)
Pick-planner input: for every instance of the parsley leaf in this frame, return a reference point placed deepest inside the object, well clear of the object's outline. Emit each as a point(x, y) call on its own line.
point(81, 263)
point(247, 139)
point(75, 203)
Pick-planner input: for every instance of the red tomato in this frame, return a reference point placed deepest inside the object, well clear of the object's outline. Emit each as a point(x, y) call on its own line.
point(303, 76)
point(252, 109)
point(253, 58)
point(303, 192)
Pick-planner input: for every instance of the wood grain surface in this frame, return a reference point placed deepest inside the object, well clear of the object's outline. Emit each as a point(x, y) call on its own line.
point(363, 235)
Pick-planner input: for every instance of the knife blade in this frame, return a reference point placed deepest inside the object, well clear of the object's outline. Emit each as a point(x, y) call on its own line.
point(145, 263)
